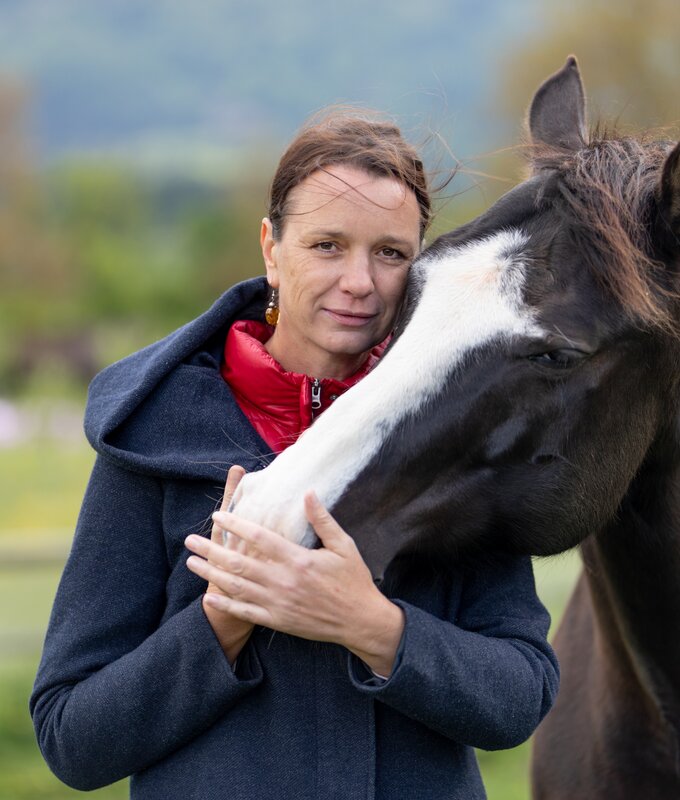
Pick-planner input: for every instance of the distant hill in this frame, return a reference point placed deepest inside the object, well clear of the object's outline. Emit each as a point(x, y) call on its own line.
point(173, 78)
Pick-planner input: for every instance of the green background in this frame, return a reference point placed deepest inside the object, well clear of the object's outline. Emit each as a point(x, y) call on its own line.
point(137, 141)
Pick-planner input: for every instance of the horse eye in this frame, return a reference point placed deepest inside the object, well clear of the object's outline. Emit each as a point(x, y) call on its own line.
point(557, 359)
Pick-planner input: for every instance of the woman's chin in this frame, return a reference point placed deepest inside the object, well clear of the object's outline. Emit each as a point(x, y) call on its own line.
point(352, 343)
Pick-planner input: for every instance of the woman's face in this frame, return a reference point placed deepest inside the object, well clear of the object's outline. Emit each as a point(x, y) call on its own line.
point(340, 266)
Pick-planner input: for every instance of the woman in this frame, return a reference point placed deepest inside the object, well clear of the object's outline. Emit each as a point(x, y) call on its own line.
point(341, 690)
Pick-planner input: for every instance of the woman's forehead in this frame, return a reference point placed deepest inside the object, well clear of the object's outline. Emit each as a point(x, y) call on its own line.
point(340, 189)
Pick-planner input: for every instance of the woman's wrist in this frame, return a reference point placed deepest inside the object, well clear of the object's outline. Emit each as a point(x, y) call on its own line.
point(231, 633)
point(376, 636)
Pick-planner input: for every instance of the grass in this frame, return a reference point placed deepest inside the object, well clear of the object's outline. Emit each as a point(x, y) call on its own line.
point(41, 485)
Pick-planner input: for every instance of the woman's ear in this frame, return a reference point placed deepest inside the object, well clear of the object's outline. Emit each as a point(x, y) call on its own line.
point(268, 245)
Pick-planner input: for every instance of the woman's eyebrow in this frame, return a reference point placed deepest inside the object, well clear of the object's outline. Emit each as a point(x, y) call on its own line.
point(325, 232)
point(404, 243)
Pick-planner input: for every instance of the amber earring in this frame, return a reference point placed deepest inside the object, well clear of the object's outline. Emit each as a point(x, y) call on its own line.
point(271, 313)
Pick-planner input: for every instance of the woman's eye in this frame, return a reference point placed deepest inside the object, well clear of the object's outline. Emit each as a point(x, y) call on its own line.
point(390, 252)
point(325, 247)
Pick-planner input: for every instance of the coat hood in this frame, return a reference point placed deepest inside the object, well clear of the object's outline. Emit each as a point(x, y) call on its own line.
point(166, 410)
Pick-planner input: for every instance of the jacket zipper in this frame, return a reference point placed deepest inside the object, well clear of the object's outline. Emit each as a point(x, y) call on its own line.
point(316, 396)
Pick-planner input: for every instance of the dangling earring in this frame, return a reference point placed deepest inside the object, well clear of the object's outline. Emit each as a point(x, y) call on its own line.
point(271, 313)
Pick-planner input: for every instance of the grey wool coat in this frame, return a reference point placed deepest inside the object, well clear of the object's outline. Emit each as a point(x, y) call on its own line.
point(133, 681)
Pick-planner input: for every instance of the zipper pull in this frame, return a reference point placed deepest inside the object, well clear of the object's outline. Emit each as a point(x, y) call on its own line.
point(316, 395)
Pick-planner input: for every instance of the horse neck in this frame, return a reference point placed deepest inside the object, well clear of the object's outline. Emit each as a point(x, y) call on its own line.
point(633, 569)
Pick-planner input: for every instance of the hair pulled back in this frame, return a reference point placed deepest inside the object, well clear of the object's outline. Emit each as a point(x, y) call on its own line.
point(354, 138)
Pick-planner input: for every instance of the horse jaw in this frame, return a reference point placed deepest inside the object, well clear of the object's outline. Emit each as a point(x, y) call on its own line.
point(471, 295)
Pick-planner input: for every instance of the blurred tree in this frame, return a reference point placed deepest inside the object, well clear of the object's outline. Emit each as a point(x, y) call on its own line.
point(103, 213)
point(222, 241)
point(34, 276)
point(30, 259)
point(628, 53)
point(97, 260)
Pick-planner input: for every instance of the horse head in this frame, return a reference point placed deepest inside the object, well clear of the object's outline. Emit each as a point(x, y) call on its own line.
point(535, 368)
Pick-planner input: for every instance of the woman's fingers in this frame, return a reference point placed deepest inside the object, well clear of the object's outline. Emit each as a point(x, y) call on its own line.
point(225, 559)
point(268, 543)
point(233, 479)
point(248, 612)
point(235, 586)
point(332, 536)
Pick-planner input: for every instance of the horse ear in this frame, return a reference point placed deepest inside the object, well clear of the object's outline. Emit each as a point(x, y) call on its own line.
point(670, 191)
point(557, 115)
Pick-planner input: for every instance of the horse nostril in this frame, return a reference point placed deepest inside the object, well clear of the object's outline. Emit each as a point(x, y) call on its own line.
point(543, 458)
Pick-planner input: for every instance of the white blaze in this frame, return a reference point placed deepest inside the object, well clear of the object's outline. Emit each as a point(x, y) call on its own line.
point(471, 295)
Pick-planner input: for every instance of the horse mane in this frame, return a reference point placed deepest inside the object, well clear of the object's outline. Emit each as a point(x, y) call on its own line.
point(609, 189)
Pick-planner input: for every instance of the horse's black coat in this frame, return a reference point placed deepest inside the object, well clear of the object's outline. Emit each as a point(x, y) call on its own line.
point(534, 445)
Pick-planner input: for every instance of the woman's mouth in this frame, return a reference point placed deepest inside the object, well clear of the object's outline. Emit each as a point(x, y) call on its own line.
point(349, 318)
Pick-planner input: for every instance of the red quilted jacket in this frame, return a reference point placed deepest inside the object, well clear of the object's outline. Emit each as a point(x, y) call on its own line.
point(280, 405)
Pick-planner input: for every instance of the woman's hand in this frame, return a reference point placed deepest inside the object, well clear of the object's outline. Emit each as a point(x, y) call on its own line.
point(325, 595)
point(232, 632)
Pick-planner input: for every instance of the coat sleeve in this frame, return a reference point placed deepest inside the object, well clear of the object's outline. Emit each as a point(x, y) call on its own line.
point(485, 678)
point(117, 690)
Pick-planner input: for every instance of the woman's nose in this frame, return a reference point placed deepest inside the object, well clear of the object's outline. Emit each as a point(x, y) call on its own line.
point(357, 275)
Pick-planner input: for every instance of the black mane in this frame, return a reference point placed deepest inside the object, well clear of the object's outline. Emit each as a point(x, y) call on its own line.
point(609, 190)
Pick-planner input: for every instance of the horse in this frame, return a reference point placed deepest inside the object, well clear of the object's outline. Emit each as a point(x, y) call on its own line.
point(529, 402)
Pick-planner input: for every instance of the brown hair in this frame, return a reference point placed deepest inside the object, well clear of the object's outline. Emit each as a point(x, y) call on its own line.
point(360, 139)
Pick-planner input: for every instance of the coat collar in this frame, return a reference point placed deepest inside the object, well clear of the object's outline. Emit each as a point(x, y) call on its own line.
point(166, 411)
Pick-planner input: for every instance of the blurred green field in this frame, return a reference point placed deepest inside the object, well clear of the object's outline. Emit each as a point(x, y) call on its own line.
point(41, 484)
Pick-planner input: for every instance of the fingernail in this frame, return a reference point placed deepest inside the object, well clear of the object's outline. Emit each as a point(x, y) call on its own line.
point(191, 539)
point(213, 601)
